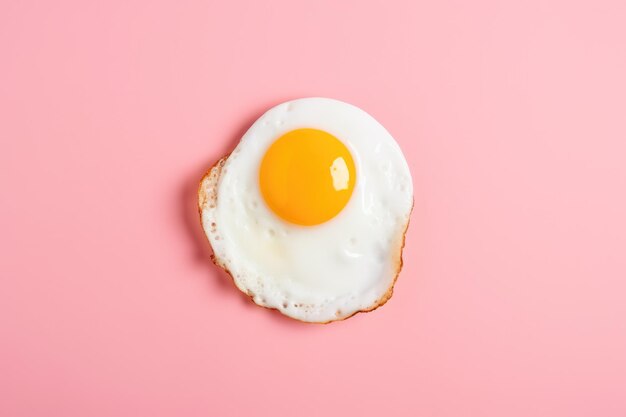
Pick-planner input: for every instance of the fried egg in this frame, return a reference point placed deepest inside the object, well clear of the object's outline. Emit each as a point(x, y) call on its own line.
point(308, 213)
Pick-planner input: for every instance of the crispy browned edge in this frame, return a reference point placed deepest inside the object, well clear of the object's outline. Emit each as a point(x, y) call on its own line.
point(202, 199)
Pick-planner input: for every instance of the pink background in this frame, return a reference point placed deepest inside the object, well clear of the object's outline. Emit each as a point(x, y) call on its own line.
point(512, 118)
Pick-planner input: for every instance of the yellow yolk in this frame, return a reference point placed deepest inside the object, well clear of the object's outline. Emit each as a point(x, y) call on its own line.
point(307, 176)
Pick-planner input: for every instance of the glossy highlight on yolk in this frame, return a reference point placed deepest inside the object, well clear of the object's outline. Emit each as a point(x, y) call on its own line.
point(307, 176)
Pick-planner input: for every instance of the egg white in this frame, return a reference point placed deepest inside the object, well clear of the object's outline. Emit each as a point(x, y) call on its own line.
point(316, 273)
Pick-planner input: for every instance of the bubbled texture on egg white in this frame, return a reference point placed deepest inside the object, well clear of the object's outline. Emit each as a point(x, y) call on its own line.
point(312, 273)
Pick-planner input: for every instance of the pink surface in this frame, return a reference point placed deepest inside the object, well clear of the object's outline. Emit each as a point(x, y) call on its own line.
point(512, 118)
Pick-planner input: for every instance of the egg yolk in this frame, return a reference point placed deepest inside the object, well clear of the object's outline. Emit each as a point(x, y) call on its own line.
point(307, 176)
